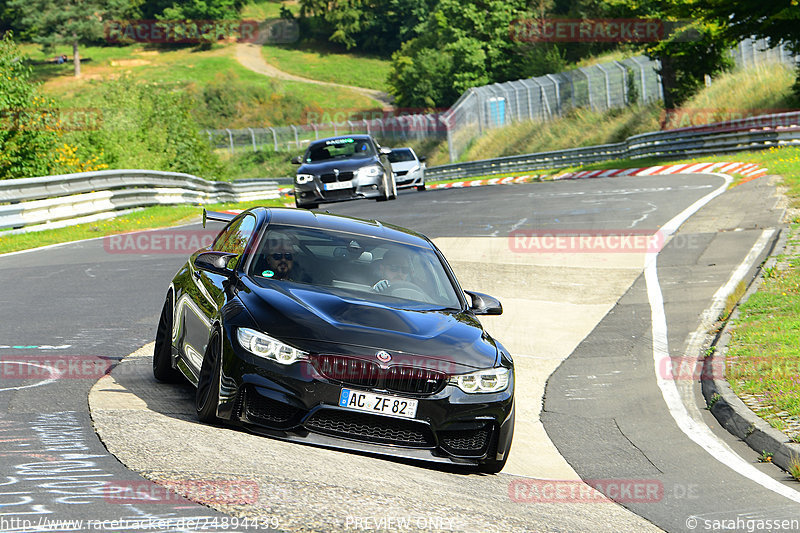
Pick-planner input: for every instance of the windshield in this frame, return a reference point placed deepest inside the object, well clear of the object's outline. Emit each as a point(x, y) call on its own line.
point(354, 266)
point(342, 148)
point(401, 154)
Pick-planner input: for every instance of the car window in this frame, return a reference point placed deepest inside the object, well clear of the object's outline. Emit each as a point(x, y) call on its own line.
point(341, 148)
point(234, 238)
point(401, 154)
point(350, 265)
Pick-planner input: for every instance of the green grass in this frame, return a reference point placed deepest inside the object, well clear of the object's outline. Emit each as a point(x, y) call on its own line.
point(147, 218)
point(763, 356)
point(324, 63)
point(283, 102)
point(268, 9)
point(580, 127)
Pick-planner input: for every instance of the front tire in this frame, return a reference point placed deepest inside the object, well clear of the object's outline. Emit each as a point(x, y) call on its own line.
point(207, 396)
point(393, 194)
point(383, 189)
point(162, 354)
point(421, 187)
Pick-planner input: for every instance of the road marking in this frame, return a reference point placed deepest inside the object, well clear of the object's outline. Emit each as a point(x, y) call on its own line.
point(54, 375)
point(692, 428)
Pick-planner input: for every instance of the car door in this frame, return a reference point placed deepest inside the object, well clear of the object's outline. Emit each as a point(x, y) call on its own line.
point(209, 290)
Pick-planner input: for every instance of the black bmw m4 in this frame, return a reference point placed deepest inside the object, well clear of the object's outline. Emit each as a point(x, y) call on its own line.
point(339, 332)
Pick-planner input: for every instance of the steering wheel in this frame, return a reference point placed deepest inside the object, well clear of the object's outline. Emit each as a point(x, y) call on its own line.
point(408, 290)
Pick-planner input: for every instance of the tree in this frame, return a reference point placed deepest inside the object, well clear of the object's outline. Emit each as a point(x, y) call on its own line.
point(775, 20)
point(28, 122)
point(467, 41)
point(192, 9)
point(378, 25)
point(689, 48)
point(72, 22)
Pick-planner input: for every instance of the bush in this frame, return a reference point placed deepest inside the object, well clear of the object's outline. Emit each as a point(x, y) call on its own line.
point(29, 128)
point(150, 126)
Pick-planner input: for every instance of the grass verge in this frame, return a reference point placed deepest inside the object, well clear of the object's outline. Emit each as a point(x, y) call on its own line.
point(322, 62)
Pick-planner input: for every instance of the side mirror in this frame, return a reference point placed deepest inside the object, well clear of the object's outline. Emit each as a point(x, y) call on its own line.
point(422, 158)
point(385, 151)
point(483, 304)
point(216, 262)
point(297, 160)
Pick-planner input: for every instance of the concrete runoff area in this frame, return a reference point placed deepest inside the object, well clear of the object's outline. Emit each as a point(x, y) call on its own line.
point(551, 302)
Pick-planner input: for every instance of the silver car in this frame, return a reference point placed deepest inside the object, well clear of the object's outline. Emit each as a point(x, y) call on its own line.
point(343, 168)
point(408, 168)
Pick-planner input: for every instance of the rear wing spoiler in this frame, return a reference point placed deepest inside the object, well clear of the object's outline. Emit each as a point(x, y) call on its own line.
point(218, 216)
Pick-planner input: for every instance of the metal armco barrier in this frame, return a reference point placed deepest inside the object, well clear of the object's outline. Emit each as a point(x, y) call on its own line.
point(752, 133)
point(31, 201)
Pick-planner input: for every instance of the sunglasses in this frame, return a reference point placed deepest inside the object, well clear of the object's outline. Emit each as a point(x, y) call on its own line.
point(277, 256)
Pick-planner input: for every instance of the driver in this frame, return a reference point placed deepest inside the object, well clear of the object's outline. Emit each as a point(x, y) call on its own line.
point(392, 268)
point(280, 257)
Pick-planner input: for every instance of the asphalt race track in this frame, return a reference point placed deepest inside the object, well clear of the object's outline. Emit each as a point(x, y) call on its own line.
point(600, 323)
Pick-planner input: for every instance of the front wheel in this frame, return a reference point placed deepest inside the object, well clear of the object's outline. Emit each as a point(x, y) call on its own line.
point(421, 187)
point(162, 354)
point(383, 190)
point(207, 396)
point(393, 194)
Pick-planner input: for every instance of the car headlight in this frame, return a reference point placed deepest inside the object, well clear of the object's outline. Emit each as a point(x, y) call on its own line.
point(304, 178)
point(483, 381)
point(370, 171)
point(268, 348)
point(414, 169)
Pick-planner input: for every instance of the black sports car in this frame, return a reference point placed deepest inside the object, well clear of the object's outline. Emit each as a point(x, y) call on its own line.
point(342, 332)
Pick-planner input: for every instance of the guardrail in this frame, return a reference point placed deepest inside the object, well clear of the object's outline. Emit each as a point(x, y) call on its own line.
point(57, 200)
point(752, 133)
point(54, 200)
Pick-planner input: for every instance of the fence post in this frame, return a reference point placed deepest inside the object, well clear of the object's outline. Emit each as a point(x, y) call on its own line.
point(274, 137)
point(253, 137)
point(296, 139)
point(366, 125)
point(624, 82)
point(608, 88)
point(558, 92)
point(588, 87)
point(230, 139)
point(316, 131)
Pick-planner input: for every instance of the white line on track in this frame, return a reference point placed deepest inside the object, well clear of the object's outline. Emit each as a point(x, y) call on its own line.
point(54, 375)
point(695, 429)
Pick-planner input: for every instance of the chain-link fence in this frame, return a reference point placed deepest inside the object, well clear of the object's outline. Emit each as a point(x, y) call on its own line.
point(599, 87)
point(752, 53)
point(388, 131)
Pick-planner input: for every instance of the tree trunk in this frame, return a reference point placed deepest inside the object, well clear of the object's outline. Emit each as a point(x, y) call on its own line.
point(668, 81)
point(76, 58)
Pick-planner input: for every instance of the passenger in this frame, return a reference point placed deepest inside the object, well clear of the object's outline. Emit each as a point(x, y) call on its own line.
point(393, 268)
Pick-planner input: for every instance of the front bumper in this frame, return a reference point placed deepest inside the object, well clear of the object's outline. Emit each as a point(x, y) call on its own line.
point(297, 403)
point(412, 179)
point(316, 192)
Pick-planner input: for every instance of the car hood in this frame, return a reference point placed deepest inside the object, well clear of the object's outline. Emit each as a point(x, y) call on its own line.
point(319, 321)
point(404, 165)
point(344, 165)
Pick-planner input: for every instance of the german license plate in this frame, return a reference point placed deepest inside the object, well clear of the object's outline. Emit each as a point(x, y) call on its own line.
point(378, 403)
point(338, 185)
